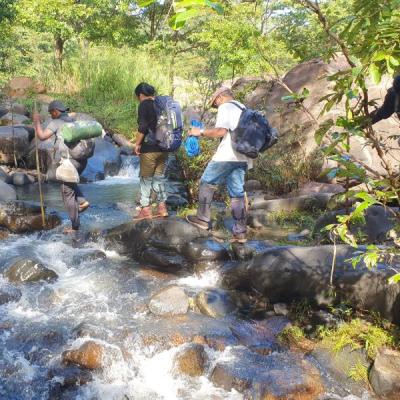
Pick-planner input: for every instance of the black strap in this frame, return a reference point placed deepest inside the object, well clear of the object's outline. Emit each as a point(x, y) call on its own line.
point(237, 105)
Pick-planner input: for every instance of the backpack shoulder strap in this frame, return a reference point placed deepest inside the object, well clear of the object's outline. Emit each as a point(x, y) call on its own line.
point(237, 105)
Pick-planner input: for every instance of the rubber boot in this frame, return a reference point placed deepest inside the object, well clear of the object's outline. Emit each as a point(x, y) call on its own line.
point(239, 214)
point(206, 194)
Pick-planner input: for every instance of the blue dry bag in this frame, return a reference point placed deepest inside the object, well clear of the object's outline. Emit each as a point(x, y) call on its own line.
point(192, 145)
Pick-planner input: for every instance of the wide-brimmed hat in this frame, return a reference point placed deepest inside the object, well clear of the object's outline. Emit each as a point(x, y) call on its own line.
point(58, 105)
point(217, 93)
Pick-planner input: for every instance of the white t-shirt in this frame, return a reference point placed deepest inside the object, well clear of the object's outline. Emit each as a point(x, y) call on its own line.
point(228, 117)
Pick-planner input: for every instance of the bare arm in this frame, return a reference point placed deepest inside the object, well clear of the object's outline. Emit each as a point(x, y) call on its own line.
point(211, 133)
point(139, 141)
point(42, 134)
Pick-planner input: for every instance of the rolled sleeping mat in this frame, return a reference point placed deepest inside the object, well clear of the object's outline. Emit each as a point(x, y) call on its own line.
point(80, 130)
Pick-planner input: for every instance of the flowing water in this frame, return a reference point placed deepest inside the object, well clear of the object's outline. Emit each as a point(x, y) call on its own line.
point(107, 299)
point(108, 294)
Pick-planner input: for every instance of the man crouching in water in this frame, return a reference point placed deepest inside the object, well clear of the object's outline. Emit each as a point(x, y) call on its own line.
point(73, 199)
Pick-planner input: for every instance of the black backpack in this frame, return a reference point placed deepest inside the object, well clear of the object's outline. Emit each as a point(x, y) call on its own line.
point(254, 134)
point(169, 130)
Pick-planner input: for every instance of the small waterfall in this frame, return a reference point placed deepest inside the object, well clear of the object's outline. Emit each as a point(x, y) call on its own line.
point(129, 167)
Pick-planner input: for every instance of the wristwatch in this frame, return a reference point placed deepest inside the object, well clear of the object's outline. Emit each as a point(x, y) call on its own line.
point(201, 131)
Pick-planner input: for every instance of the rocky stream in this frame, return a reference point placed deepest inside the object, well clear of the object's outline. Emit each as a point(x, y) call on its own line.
point(154, 310)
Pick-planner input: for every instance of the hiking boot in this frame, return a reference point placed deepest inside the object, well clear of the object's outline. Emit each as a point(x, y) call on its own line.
point(162, 210)
point(192, 219)
point(144, 213)
point(239, 238)
point(83, 206)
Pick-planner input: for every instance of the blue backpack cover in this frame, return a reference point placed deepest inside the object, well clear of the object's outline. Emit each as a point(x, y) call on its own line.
point(254, 134)
point(169, 130)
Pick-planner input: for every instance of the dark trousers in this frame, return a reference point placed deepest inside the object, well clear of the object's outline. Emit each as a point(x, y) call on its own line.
point(72, 195)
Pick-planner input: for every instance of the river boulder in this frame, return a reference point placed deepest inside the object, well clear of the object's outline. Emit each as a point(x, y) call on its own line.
point(21, 179)
point(14, 144)
point(7, 192)
point(378, 222)
point(215, 303)
point(21, 217)
point(190, 360)
point(275, 376)
point(106, 155)
point(169, 301)
point(318, 201)
point(285, 274)
point(385, 374)
point(4, 177)
point(27, 270)
point(89, 355)
point(169, 234)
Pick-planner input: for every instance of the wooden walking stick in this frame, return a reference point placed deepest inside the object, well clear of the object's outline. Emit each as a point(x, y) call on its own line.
point(38, 173)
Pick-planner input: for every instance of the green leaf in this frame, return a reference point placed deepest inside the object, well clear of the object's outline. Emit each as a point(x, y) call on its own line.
point(375, 73)
point(322, 130)
point(145, 3)
point(394, 279)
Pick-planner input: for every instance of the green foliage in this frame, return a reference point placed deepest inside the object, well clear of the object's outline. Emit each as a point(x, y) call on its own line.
point(359, 372)
point(357, 334)
point(194, 167)
point(302, 219)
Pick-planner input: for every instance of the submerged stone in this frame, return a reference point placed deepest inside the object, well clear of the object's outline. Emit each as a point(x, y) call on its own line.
point(273, 377)
point(27, 270)
point(190, 360)
point(169, 301)
point(89, 355)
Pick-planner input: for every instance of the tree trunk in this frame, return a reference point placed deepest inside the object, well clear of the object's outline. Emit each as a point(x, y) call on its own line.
point(59, 50)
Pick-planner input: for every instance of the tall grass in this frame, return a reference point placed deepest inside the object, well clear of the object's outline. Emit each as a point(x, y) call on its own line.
point(101, 80)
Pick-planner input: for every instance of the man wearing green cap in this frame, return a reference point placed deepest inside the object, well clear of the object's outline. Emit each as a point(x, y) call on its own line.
point(72, 196)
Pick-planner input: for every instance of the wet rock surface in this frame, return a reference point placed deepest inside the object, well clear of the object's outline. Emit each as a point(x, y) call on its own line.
point(169, 301)
point(21, 217)
point(7, 192)
point(9, 293)
point(191, 360)
point(26, 270)
point(215, 303)
point(89, 355)
point(276, 376)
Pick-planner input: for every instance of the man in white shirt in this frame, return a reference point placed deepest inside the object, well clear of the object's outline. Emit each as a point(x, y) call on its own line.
point(226, 167)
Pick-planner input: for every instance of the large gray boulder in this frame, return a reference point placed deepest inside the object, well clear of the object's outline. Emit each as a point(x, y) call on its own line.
point(169, 234)
point(13, 142)
point(7, 192)
point(106, 156)
point(317, 201)
point(378, 222)
point(284, 274)
point(385, 374)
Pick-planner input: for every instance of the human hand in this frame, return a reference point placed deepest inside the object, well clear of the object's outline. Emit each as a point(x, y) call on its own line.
point(137, 149)
point(194, 131)
point(36, 117)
